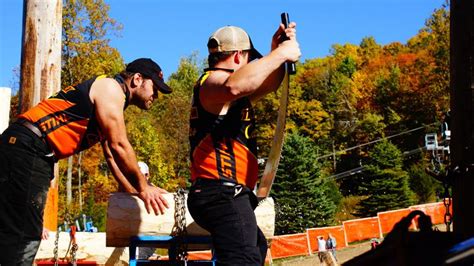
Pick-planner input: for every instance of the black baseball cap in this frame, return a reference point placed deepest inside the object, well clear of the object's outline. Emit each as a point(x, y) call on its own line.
point(149, 69)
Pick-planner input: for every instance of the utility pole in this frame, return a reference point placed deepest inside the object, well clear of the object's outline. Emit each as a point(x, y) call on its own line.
point(41, 70)
point(462, 109)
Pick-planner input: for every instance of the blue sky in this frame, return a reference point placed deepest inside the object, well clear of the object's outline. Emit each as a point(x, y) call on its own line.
point(168, 30)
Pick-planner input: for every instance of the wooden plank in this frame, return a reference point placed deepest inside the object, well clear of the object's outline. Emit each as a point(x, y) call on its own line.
point(462, 110)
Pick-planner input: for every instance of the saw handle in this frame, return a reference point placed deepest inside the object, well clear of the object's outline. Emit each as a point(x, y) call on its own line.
point(290, 66)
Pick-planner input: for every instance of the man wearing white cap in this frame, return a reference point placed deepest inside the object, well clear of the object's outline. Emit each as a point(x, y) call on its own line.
point(145, 252)
point(144, 169)
point(224, 167)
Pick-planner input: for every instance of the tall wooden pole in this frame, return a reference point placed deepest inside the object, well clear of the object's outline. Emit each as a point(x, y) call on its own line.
point(40, 75)
point(462, 107)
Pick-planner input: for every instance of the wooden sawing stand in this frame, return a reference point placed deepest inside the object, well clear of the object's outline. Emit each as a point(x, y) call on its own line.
point(428, 247)
point(127, 217)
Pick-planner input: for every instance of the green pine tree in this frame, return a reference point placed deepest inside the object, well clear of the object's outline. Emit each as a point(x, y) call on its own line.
point(387, 184)
point(423, 185)
point(302, 197)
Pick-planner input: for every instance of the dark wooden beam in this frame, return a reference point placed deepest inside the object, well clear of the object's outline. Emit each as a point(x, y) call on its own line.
point(462, 102)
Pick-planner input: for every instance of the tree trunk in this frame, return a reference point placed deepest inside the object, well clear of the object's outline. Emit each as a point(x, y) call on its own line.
point(79, 175)
point(69, 183)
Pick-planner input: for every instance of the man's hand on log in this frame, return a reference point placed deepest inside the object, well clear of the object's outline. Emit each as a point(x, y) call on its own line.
point(153, 199)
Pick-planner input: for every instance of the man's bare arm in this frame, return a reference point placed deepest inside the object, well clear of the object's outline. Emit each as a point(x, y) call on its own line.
point(121, 179)
point(256, 78)
point(222, 87)
point(108, 98)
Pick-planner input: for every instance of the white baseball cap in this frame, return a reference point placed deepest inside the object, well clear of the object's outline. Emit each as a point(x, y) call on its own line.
point(143, 168)
point(231, 38)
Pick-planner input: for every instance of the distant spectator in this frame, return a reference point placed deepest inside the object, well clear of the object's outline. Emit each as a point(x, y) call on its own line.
point(331, 245)
point(321, 248)
point(374, 242)
point(145, 171)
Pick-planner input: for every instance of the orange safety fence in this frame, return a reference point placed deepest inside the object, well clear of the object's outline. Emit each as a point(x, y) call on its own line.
point(289, 245)
point(200, 255)
point(361, 229)
point(389, 218)
point(435, 210)
point(336, 231)
point(352, 230)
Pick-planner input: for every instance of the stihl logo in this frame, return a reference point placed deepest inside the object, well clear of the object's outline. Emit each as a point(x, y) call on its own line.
point(53, 122)
point(226, 161)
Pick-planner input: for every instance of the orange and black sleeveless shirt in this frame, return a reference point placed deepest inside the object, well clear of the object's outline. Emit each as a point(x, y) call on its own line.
point(67, 119)
point(223, 146)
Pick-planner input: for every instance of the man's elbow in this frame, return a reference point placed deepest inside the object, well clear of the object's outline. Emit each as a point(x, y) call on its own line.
point(237, 91)
point(117, 147)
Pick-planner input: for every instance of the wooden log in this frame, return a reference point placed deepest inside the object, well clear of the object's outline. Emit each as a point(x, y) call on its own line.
point(127, 217)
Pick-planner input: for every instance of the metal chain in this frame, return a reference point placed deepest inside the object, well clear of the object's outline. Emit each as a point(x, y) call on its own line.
point(447, 178)
point(74, 249)
point(448, 217)
point(180, 225)
point(56, 246)
point(452, 173)
point(72, 245)
point(67, 218)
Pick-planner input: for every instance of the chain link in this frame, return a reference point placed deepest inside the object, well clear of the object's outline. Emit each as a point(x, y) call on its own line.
point(56, 246)
point(179, 230)
point(67, 218)
point(74, 249)
point(448, 217)
point(447, 201)
point(446, 175)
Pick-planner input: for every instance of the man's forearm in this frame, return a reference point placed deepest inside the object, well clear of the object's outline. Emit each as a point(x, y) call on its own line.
point(252, 76)
point(118, 175)
point(270, 84)
point(121, 179)
point(125, 158)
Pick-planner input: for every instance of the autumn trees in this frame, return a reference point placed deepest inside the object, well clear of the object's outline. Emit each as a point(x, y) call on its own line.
point(366, 107)
point(363, 105)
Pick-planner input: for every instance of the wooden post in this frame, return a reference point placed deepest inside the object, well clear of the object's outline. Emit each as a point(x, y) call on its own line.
point(462, 102)
point(40, 73)
point(5, 98)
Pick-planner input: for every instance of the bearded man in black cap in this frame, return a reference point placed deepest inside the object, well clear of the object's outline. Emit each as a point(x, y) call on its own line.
point(74, 119)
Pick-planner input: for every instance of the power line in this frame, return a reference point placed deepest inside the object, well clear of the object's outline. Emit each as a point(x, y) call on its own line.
point(360, 169)
point(347, 173)
point(372, 142)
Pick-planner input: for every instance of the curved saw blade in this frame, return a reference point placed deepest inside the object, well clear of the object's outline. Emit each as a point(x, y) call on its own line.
point(277, 144)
